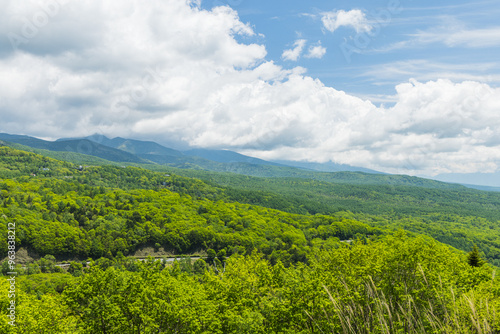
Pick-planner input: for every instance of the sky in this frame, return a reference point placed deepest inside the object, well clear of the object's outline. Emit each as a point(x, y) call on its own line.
point(399, 86)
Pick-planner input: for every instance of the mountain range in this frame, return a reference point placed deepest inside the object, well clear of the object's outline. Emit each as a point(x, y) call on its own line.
point(137, 151)
point(132, 151)
point(82, 146)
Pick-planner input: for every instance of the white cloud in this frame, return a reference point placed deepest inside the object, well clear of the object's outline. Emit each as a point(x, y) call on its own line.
point(355, 19)
point(434, 127)
point(294, 54)
point(316, 51)
point(124, 61)
point(171, 71)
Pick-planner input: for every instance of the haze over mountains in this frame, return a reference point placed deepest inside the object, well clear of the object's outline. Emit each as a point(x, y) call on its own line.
point(131, 150)
point(148, 152)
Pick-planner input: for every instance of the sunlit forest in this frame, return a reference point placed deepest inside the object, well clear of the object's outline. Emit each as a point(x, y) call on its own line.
point(156, 249)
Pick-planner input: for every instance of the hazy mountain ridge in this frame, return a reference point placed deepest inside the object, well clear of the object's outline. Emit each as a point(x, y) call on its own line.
point(83, 146)
point(484, 180)
point(137, 147)
point(230, 157)
point(326, 166)
point(142, 152)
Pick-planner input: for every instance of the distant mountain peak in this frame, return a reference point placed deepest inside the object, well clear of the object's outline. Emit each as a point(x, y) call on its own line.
point(77, 145)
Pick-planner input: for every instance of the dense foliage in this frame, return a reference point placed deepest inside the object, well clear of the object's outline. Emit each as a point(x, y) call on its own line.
point(328, 261)
point(79, 216)
point(395, 285)
point(459, 217)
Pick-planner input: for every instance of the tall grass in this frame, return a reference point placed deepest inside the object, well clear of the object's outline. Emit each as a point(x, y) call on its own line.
point(443, 312)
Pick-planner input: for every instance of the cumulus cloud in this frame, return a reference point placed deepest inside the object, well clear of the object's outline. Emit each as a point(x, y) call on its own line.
point(316, 51)
point(294, 54)
point(354, 18)
point(431, 129)
point(172, 71)
point(125, 61)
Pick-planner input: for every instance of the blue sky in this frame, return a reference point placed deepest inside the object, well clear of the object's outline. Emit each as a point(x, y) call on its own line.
point(407, 87)
point(408, 39)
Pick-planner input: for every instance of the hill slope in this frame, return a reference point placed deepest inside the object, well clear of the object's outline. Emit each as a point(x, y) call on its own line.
point(228, 157)
point(82, 146)
point(137, 147)
point(459, 217)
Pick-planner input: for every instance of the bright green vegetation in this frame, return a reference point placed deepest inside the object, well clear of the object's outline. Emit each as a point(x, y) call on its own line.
point(394, 285)
point(457, 217)
point(359, 192)
point(80, 216)
point(78, 145)
point(454, 215)
point(449, 213)
point(279, 255)
point(76, 158)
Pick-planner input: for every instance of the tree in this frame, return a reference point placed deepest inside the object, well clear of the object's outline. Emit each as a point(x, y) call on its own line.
point(48, 264)
point(202, 210)
point(221, 255)
point(75, 268)
point(175, 270)
point(211, 255)
point(474, 258)
point(186, 265)
point(199, 266)
point(33, 268)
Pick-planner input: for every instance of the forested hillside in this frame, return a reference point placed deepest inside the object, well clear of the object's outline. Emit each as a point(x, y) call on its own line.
point(151, 155)
point(81, 145)
point(283, 255)
point(394, 285)
point(456, 215)
point(461, 217)
point(101, 211)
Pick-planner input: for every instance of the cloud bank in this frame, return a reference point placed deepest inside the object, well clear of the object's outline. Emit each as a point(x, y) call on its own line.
point(172, 71)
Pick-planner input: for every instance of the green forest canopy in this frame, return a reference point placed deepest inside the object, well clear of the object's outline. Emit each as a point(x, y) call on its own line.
point(334, 267)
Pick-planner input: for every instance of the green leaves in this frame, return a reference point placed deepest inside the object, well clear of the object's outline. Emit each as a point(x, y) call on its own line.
point(395, 284)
